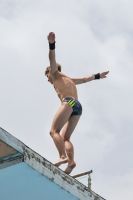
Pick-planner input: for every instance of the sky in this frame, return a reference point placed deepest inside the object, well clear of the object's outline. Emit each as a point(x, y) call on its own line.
point(91, 37)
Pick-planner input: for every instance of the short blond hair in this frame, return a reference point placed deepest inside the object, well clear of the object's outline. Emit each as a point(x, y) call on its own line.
point(48, 68)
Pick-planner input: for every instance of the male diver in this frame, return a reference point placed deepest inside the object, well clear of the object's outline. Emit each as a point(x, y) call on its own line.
point(69, 113)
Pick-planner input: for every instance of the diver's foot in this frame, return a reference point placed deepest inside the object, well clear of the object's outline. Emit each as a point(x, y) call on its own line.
point(70, 167)
point(61, 161)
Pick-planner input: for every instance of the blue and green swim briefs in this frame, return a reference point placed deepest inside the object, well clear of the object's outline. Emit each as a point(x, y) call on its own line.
point(75, 104)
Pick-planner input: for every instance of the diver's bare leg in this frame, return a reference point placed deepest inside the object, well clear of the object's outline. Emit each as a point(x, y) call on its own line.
point(70, 153)
point(60, 118)
point(66, 133)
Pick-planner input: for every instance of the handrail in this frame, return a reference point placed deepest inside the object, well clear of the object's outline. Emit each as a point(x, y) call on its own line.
point(83, 174)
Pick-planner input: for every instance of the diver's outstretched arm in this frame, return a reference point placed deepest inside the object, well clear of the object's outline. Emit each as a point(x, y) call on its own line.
point(89, 78)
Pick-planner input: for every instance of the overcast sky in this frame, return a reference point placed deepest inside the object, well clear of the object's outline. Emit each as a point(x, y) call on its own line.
point(91, 36)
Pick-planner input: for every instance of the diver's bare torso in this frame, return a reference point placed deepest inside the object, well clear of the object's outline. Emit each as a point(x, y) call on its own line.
point(64, 86)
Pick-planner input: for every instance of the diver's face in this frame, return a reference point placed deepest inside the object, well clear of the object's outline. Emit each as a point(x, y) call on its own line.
point(49, 78)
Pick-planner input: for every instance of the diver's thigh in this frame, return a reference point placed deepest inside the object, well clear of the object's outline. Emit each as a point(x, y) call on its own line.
point(70, 126)
point(61, 116)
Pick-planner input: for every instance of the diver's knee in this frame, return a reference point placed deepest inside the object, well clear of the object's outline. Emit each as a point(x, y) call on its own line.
point(53, 132)
point(65, 138)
